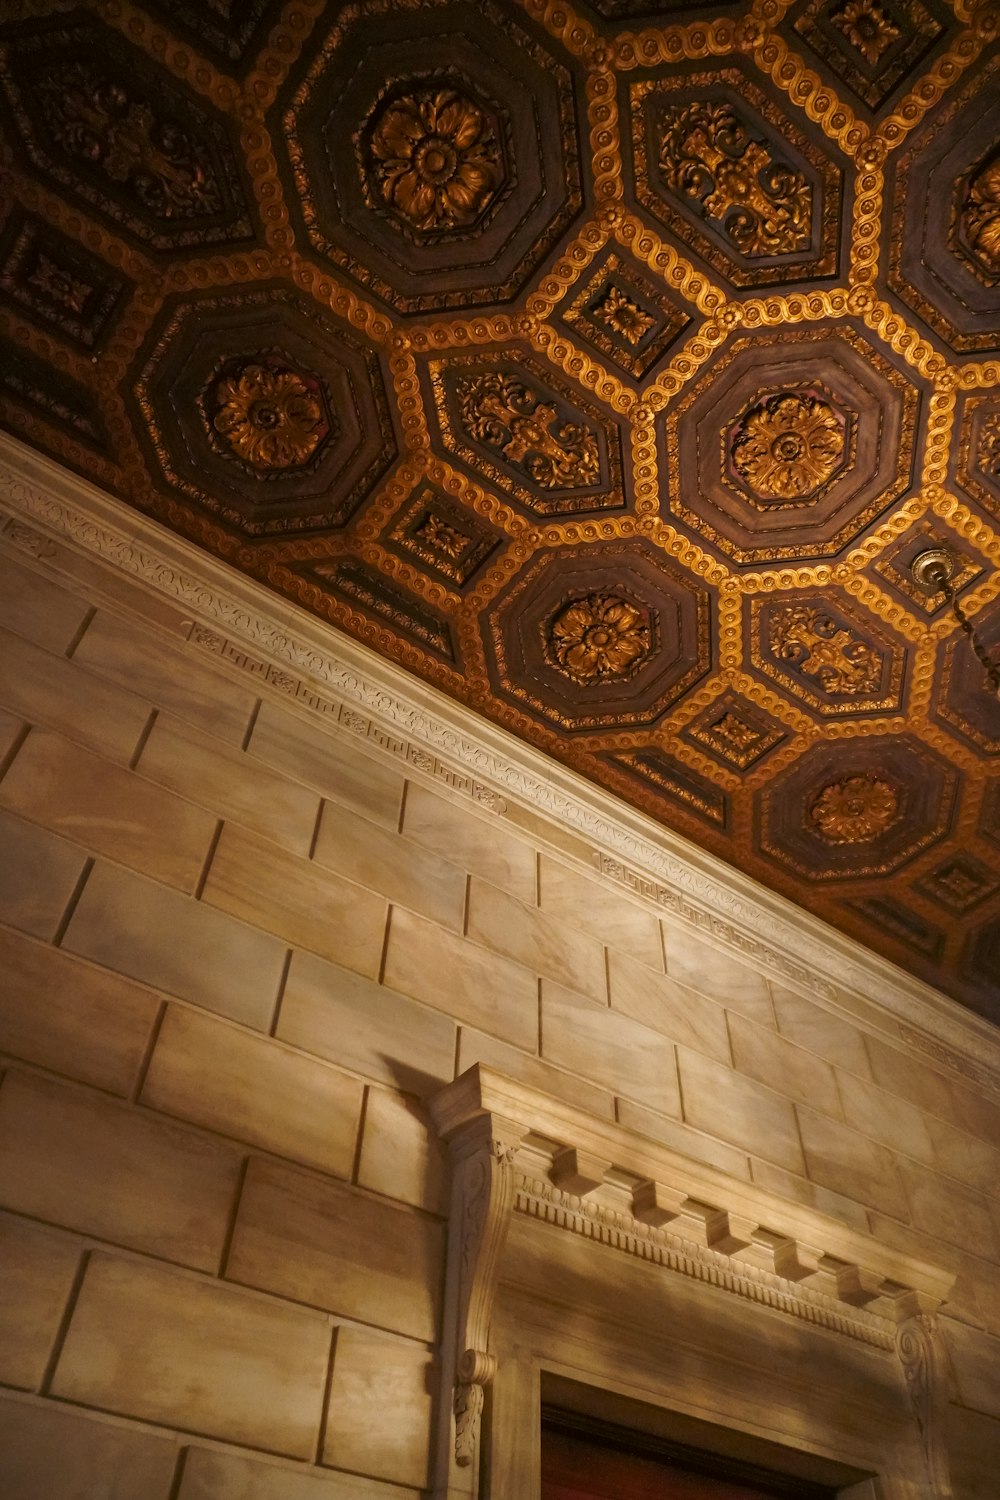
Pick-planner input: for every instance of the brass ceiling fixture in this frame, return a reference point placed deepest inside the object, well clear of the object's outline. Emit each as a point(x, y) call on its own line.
point(934, 569)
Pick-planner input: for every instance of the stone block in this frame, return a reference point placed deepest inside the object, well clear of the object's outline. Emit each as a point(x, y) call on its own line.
point(162, 938)
point(335, 765)
point(800, 1190)
point(401, 1155)
point(715, 973)
point(295, 899)
point(39, 872)
point(849, 1163)
point(694, 1143)
point(473, 838)
point(50, 1452)
point(37, 607)
point(964, 1156)
point(51, 691)
point(610, 1049)
point(539, 942)
point(596, 907)
point(37, 1269)
point(213, 1475)
point(670, 1008)
point(167, 672)
point(365, 1026)
point(382, 860)
point(885, 1117)
point(230, 783)
point(459, 977)
point(722, 1103)
point(820, 1031)
point(176, 1349)
point(73, 1157)
point(379, 1416)
point(901, 1073)
point(339, 1249)
point(107, 809)
point(975, 1360)
point(942, 1207)
point(255, 1089)
point(758, 1052)
point(475, 1046)
point(68, 1016)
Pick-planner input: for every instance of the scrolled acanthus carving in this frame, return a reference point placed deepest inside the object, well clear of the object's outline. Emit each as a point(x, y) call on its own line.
point(919, 1353)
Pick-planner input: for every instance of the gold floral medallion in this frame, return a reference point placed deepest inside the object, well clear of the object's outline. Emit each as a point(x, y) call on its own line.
point(270, 417)
point(623, 316)
point(786, 446)
point(441, 537)
point(855, 810)
point(436, 160)
point(867, 27)
point(598, 639)
point(980, 219)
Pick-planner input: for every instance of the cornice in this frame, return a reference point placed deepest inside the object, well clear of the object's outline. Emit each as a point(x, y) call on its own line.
point(326, 671)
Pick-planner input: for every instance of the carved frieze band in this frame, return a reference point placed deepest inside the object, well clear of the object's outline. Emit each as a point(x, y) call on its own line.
point(366, 697)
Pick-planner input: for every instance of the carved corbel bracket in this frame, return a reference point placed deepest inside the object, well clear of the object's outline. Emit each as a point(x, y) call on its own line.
point(922, 1358)
point(482, 1155)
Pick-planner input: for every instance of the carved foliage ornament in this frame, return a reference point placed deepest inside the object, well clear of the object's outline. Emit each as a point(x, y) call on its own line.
point(270, 417)
point(498, 410)
point(979, 220)
point(855, 810)
point(93, 118)
point(623, 316)
point(867, 27)
point(788, 445)
point(708, 156)
point(597, 639)
point(815, 644)
point(435, 159)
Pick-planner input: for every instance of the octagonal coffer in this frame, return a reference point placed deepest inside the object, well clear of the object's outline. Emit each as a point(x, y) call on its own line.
point(855, 808)
point(944, 249)
point(764, 462)
point(600, 636)
point(264, 410)
point(101, 122)
point(435, 162)
point(721, 166)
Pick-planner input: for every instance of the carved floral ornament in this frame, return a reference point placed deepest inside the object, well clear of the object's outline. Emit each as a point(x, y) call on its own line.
point(269, 416)
point(855, 810)
point(623, 316)
point(787, 446)
point(435, 159)
point(498, 410)
point(815, 644)
point(867, 27)
point(979, 219)
point(94, 119)
point(598, 639)
point(707, 155)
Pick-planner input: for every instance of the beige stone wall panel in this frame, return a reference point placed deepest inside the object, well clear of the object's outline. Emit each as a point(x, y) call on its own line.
point(162, 938)
point(339, 1249)
point(379, 1414)
point(720, 1102)
point(38, 608)
point(293, 898)
point(213, 1475)
point(591, 907)
point(69, 1016)
point(51, 1452)
point(612, 1049)
point(354, 848)
point(39, 873)
point(254, 1089)
point(477, 841)
point(108, 810)
point(401, 1156)
point(37, 1270)
point(71, 1157)
point(170, 1348)
point(671, 1008)
point(536, 940)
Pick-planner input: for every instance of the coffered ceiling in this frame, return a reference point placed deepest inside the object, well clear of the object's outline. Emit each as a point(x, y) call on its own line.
point(604, 366)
